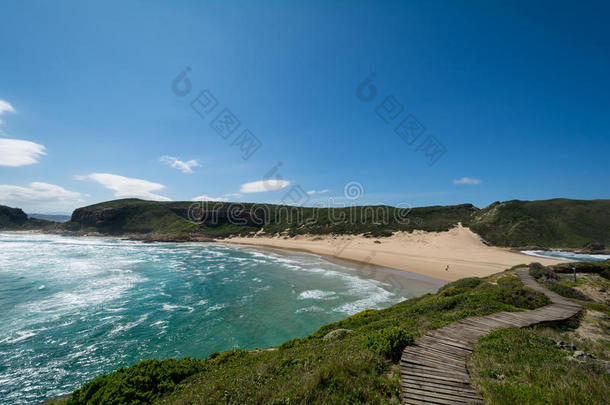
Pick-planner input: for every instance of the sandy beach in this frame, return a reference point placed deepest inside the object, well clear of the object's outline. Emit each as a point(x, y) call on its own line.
point(425, 253)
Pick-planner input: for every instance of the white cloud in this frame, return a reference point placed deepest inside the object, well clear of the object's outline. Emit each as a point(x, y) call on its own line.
point(16, 152)
point(467, 180)
point(126, 187)
point(263, 185)
point(314, 192)
point(5, 106)
point(40, 198)
point(208, 198)
point(185, 167)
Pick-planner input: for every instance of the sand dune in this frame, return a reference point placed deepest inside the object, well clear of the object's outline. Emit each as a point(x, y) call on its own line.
point(426, 253)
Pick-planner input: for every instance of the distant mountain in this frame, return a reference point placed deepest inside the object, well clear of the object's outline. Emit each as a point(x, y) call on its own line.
point(557, 223)
point(50, 217)
point(16, 219)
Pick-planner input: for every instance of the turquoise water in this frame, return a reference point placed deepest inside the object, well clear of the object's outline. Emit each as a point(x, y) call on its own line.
point(569, 256)
point(75, 308)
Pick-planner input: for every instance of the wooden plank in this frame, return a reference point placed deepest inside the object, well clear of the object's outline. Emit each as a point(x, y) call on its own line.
point(450, 339)
point(448, 350)
point(447, 339)
point(440, 383)
point(437, 371)
point(427, 361)
point(433, 355)
point(456, 398)
point(436, 400)
point(442, 389)
point(450, 332)
point(431, 376)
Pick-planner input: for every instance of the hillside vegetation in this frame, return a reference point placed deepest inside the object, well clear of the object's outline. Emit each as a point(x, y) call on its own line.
point(351, 361)
point(550, 223)
point(16, 219)
point(557, 223)
point(355, 361)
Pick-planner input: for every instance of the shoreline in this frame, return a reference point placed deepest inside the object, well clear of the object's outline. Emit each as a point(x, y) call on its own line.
point(428, 254)
point(359, 266)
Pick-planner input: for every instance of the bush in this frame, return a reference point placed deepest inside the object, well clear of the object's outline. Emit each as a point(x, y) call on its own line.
point(141, 383)
point(601, 268)
point(513, 292)
point(389, 342)
point(566, 291)
point(538, 271)
point(468, 282)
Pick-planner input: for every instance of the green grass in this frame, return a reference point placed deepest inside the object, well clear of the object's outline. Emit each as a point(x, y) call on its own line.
point(518, 366)
point(352, 361)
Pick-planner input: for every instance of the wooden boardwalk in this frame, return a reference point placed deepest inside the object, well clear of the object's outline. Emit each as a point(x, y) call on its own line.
point(433, 369)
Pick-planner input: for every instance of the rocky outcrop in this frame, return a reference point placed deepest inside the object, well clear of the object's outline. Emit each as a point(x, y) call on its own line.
point(95, 216)
point(12, 217)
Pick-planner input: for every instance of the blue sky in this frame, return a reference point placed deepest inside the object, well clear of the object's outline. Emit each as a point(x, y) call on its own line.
point(514, 98)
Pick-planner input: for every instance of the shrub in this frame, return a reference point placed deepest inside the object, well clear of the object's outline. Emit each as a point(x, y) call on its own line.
point(513, 292)
point(468, 282)
point(389, 342)
point(538, 271)
point(141, 383)
point(566, 291)
point(601, 268)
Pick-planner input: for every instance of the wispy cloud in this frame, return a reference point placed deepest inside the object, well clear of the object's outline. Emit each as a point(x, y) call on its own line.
point(314, 192)
point(468, 180)
point(185, 167)
point(5, 106)
point(126, 187)
point(40, 197)
point(233, 195)
point(263, 185)
point(17, 152)
point(208, 198)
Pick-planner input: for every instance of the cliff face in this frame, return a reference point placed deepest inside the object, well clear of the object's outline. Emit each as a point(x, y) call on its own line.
point(96, 216)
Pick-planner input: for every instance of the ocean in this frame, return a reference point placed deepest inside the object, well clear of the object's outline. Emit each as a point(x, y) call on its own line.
point(569, 256)
point(75, 308)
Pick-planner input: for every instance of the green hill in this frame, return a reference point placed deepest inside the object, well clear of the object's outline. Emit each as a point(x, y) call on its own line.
point(225, 219)
point(558, 223)
point(16, 219)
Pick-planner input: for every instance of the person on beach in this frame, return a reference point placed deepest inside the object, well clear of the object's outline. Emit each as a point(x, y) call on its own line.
point(447, 268)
